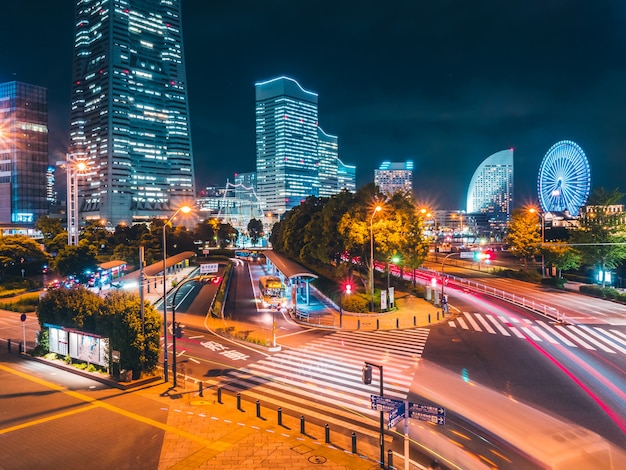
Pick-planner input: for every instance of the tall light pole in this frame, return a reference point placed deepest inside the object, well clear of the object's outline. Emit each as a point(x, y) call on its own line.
point(73, 169)
point(543, 237)
point(185, 210)
point(371, 280)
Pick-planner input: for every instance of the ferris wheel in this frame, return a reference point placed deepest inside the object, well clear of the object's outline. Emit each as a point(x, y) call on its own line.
point(564, 178)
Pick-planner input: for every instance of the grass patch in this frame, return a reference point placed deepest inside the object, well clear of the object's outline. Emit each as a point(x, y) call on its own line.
point(27, 302)
point(240, 331)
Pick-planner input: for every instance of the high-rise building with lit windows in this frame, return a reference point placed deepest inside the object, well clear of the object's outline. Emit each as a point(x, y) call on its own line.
point(129, 114)
point(346, 176)
point(491, 188)
point(328, 154)
point(392, 177)
point(286, 144)
point(23, 153)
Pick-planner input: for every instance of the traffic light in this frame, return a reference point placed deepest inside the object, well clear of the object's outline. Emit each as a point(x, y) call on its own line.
point(366, 374)
point(178, 330)
point(348, 288)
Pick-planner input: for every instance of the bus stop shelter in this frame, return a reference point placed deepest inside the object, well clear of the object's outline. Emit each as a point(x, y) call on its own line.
point(298, 276)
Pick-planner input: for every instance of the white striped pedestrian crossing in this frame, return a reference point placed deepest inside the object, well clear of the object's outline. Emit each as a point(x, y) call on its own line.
point(325, 374)
point(610, 341)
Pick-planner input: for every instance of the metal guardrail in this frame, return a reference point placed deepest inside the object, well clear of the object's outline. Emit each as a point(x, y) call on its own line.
point(547, 311)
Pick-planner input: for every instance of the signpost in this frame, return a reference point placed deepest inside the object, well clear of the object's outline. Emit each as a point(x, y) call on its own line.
point(207, 268)
point(432, 414)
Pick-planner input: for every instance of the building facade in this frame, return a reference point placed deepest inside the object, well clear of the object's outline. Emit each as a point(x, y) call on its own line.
point(346, 176)
point(129, 114)
point(328, 157)
point(392, 177)
point(490, 190)
point(23, 153)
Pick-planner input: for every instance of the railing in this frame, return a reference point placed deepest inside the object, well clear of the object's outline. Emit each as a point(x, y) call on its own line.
point(542, 309)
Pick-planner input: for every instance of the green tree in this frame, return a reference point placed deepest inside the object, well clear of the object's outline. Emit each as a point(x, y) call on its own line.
point(562, 256)
point(601, 236)
point(524, 235)
point(76, 259)
point(255, 230)
point(71, 308)
point(50, 228)
point(19, 252)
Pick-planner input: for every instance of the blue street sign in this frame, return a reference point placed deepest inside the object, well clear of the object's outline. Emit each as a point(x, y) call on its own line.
point(384, 404)
point(426, 409)
point(395, 416)
point(426, 417)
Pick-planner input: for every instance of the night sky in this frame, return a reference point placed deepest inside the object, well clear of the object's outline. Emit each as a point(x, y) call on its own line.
point(445, 83)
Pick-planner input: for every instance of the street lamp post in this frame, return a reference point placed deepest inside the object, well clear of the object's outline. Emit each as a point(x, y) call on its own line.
point(543, 237)
point(185, 210)
point(382, 413)
point(174, 329)
point(371, 280)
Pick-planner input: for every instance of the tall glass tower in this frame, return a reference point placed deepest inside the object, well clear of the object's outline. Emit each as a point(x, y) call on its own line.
point(286, 144)
point(491, 189)
point(129, 115)
point(23, 152)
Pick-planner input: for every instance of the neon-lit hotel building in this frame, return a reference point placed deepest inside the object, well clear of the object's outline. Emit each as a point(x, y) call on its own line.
point(23, 153)
point(295, 158)
point(392, 177)
point(129, 113)
point(491, 188)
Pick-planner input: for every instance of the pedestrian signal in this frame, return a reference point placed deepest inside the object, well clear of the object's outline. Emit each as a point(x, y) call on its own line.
point(367, 374)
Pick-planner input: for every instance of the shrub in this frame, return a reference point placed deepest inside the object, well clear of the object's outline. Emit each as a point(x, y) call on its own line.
point(358, 303)
point(557, 282)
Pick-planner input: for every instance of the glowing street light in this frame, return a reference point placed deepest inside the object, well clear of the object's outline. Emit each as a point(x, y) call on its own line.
point(541, 215)
point(184, 210)
point(371, 280)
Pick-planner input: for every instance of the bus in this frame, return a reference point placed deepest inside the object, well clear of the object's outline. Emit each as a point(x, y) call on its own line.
point(272, 291)
point(248, 255)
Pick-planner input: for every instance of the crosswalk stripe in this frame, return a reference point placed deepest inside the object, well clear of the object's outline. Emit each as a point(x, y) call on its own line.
point(529, 332)
point(516, 332)
point(619, 333)
point(565, 331)
point(614, 338)
point(552, 331)
point(590, 339)
point(484, 323)
point(471, 321)
point(462, 323)
point(593, 334)
point(543, 334)
point(495, 323)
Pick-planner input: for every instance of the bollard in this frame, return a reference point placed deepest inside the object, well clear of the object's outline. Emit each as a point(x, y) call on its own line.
point(9, 344)
point(429, 318)
point(19, 348)
point(390, 458)
point(414, 320)
point(437, 315)
point(200, 387)
point(353, 442)
point(358, 324)
point(377, 324)
point(219, 395)
point(280, 416)
point(258, 408)
point(397, 323)
point(239, 401)
point(327, 434)
point(302, 425)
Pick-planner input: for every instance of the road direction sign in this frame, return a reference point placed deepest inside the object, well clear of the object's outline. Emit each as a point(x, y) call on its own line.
point(430, 418)
point(427, 409)
point(206, 268)
point(395, 416)
point(384, 404)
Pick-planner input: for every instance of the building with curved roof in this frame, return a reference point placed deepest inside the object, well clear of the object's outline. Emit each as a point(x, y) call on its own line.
point(490, 191)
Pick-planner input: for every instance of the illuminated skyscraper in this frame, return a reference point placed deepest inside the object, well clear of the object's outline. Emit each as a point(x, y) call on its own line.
point(286, 144)
point(327, 152)
point(392, 177)
point(23, 152)
point(346, 176)
point(491, 188)
point(129, 115)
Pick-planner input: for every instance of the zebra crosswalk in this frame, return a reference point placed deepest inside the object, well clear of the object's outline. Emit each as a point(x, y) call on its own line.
point(323, 376)
point(593, 338)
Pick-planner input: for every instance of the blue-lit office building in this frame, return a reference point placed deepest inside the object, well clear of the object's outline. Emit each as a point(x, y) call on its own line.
point(295, 158)
point(346, 176)
point(23, 153)
point(490, 191)
point(129, 112)
point(392, 177)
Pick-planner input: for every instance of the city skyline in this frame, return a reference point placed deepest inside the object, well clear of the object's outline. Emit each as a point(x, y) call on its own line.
point(441, 84)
